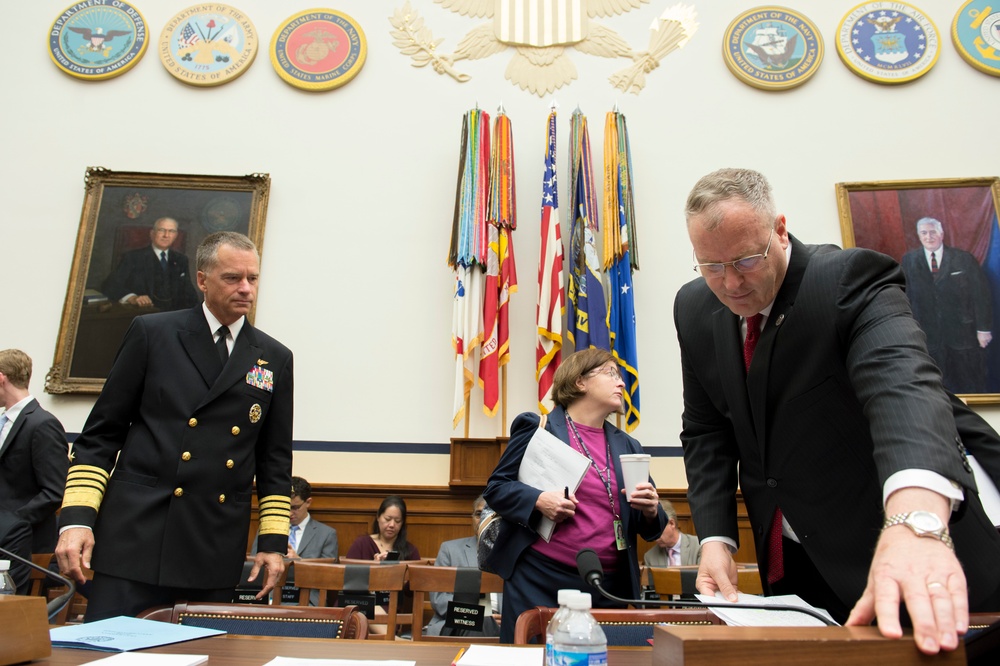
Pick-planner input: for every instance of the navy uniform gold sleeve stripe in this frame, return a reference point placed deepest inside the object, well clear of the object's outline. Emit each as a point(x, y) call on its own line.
point(274, 513)
point(85, 486)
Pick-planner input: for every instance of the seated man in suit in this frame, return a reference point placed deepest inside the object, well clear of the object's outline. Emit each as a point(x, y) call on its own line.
point(673, 548)
point(34, 453)
point(307, 538)
point(154, 275)
point(459, 553)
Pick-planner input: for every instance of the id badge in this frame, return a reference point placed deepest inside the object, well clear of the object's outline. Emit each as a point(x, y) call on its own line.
point(620, 536)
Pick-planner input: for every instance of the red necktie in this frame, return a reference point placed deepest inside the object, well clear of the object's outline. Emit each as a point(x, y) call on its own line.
point(775, 557)
point(934, 263)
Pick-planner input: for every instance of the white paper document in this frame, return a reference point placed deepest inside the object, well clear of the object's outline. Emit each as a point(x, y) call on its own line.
point(735, 616)
point(500, 655)
point(150, 659)
point(296, 661)
point(548, 464)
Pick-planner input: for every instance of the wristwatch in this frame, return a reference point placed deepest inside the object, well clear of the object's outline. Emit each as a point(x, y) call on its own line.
point(923, 523)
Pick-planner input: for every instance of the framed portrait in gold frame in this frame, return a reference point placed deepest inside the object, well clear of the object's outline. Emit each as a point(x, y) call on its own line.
point(945, 235)
point(128, 219)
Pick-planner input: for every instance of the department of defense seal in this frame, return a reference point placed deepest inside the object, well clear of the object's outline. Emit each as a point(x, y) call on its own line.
point(976, 34)
point(772, 48)
point(98, 39)
point(208, 45)
point(319, 49)
point(888, 42)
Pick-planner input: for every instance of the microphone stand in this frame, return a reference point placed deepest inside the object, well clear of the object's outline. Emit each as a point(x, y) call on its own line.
point(593, 574)
point(56, 605)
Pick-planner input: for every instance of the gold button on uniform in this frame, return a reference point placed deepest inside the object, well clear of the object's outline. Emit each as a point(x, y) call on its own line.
point(236, 430)
point(222, 499)
point(178, 492)
point(230, 464)
point(192, 422)
point(186, 456)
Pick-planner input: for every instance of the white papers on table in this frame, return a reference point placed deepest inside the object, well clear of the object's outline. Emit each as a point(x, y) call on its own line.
point(549, 464)
point(735, 616)
point(500, 655)
point(988, 493)
point(121, 634)
point(296, 661)
point(150, 659)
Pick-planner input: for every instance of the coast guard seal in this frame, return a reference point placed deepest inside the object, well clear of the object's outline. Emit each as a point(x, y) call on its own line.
point(976, 34)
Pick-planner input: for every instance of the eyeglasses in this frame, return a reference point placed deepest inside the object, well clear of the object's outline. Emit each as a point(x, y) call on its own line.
point(478, 513)
point(296, 507)
point(607, 370)
point(745, 265)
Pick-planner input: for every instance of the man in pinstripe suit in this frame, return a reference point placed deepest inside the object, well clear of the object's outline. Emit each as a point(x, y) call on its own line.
point(833, 421)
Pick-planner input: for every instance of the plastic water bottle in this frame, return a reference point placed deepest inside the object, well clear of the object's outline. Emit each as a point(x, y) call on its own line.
point(579, 639)
point(563, 597)
point(6, 582)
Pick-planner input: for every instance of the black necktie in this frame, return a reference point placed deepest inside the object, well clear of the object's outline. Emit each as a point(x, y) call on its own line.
point(163, 260)
point(220, 344)
point(934, 263)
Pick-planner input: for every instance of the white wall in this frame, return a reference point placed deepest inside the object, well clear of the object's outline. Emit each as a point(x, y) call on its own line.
point(363, 180)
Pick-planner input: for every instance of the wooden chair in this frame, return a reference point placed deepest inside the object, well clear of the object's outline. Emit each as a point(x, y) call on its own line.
point(262, 620)
point(73, 612)
point(35, 577)
point(425, 579)
point(328, 578)
point(622, 627)
point(681, 580)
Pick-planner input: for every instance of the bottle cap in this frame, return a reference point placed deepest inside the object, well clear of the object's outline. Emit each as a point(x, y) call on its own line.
point(563, 596)
point(581, 601)
point(4, 565)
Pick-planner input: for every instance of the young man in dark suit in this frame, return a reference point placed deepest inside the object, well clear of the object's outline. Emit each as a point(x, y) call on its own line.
point(808, 384)
point(33, 453)
point(196, 408)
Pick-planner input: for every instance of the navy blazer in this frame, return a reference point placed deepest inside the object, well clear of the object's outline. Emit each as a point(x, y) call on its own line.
point(515, 501)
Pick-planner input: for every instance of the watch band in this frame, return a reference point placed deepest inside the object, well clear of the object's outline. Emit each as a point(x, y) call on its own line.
point(903, 519)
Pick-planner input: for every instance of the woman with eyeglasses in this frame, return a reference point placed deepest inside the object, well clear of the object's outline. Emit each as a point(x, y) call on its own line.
point(602, 514)
point(389, 535)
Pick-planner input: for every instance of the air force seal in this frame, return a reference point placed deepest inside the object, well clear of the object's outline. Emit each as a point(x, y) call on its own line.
point(98, 39)
point(888, 42)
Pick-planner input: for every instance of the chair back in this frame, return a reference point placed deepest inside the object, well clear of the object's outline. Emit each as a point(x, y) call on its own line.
point(424, 579)
point(35, 577)
point(681, 580)
point(328, 578)
point(258, 620)
point(622, 626)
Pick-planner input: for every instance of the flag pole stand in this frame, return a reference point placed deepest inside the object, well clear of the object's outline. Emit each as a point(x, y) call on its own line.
point(503, 401)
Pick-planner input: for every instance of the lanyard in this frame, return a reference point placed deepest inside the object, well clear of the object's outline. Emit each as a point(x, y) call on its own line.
point(607, 468)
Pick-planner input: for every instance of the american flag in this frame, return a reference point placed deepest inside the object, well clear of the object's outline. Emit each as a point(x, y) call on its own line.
point(188, 36)
point(551, 298)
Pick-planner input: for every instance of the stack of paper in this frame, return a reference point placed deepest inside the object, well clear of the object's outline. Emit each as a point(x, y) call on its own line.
point(549, 464)
point(151, 659)
point(500, 655)
point(121, 634)
point(735, 616)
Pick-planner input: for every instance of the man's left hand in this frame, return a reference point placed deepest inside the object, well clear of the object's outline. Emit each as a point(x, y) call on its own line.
point(984, 337)
point(275, 565)
point(923, 573)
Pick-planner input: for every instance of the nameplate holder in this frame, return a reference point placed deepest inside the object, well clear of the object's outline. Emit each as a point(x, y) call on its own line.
point(364, 601)
point(468, 617)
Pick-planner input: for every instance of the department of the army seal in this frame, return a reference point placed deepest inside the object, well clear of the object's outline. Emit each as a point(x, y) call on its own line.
point(208, 45)
point(319, 49)
point(772, 48)
point(888, 42)
point(976, 34)
point(98, 39)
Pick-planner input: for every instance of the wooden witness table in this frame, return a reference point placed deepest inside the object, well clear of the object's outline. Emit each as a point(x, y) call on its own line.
point(258, 650)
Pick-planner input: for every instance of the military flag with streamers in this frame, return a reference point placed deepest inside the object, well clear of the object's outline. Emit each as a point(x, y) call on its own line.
point(501, 276)
point(620, 258)
point(467, 254)
point(551, 298)
point(586, 320)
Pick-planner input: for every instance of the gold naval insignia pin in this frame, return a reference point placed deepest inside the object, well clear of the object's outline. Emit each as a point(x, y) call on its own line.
point(255, 413)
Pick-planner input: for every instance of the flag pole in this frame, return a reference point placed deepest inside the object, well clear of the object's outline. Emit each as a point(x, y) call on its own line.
point(468, 414)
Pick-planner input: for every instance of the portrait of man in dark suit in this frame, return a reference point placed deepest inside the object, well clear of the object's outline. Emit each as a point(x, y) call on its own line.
point(154, 276)
point(951, 299)
point(808, 386)
point(197, 410)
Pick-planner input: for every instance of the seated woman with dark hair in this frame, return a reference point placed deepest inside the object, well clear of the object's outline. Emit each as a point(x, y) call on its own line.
point(389, 534)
